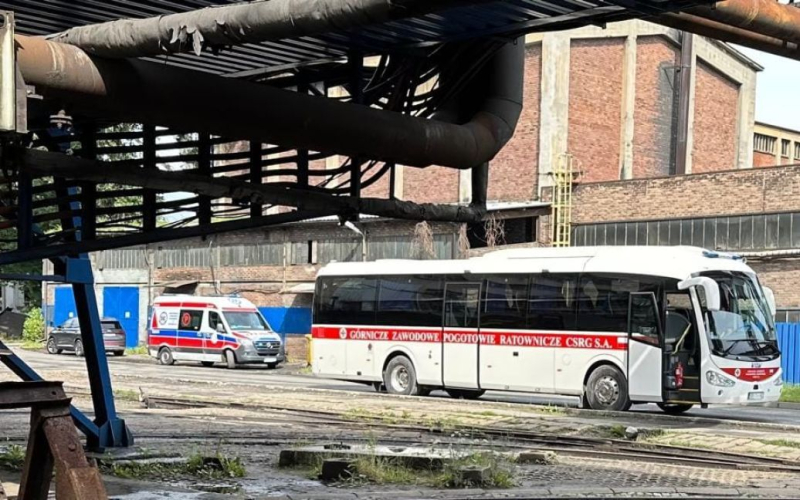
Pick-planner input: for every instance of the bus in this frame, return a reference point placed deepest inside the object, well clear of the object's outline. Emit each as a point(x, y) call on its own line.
point(615, 326)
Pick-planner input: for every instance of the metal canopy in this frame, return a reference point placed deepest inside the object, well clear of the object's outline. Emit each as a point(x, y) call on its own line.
point(506, 18)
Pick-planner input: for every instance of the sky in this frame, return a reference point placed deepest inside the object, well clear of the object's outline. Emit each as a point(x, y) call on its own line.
point(777, 92)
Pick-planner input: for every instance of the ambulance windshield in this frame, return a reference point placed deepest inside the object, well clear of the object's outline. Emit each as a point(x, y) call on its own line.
point(246, 320)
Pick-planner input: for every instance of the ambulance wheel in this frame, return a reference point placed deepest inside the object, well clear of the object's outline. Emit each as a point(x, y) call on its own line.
point(207, 364)
point(674, 408)
point(165, 356)
point(230, 359)
point(400, 377)
point(607, 389)
point(79, 348)
point(464, 393)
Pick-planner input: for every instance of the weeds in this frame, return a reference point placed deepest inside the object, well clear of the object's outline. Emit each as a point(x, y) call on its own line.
point(617, 431)
point(13, 457)
point(126, 394)
point(497, 474)
point(139, 350)
point(217, 466)
point(786, 443)
point(790, 394)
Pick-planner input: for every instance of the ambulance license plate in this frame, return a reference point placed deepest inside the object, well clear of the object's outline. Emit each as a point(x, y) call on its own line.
point(270, 359)
point(755, 396)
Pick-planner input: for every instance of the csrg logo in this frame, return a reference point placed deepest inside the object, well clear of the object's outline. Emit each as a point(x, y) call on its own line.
point(737, 373)
point(162, 318)
point(343, 333)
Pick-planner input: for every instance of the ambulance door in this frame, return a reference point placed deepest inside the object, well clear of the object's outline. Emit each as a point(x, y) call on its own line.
point(190, 338)
point(460, 347)
point(215, 335)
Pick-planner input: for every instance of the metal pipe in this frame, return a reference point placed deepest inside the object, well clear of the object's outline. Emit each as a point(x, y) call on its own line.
point(731, 34)
point(252, 22)
point(765, 17)
point(684, 102)
point(146, 92)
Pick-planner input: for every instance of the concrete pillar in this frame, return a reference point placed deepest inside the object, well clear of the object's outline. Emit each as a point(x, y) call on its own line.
point(554, 114)
point(746, 122)
point(690, 125)
point(628, 107)
point(398, 181)
point(465, 186)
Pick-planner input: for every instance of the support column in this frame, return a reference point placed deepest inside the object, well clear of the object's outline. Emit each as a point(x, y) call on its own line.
point(685, 78)
point(554, 114)
point(628, 107)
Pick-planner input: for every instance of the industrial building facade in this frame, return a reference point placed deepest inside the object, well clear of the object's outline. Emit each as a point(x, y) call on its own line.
point(657, 126)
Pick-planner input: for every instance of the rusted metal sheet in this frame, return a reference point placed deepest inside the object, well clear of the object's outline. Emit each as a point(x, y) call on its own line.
point(134, 90)
point(240, 23)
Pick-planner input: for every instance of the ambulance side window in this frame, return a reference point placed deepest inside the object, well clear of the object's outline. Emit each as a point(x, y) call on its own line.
point(191, 320)
point(214, 320)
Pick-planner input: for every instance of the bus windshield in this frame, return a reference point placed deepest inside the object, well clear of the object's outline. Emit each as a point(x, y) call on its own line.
point(246, 320)
point(743, 327)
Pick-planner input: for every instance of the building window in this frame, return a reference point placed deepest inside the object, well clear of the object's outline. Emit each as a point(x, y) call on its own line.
point(787, 316)
point(797, 150)
point(764, 144)
point(785, 146)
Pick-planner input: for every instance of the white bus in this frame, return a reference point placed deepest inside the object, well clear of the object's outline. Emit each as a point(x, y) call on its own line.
point(676, 326)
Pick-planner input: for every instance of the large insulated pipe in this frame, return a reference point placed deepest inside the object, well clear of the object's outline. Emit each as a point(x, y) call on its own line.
point(726, 33)
point(765, 17)
point(250, 22)
point(147, 92)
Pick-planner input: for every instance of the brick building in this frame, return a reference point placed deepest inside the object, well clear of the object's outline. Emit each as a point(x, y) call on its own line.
point(658, 125)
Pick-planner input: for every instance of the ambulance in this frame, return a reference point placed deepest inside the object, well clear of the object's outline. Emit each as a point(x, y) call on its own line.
point(211, 330)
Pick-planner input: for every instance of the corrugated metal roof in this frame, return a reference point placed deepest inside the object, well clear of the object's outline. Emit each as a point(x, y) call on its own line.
point(40, 17)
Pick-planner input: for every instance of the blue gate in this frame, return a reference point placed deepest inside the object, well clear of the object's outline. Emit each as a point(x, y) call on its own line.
point(122, 303)
point(64, 307)
point(789, 343)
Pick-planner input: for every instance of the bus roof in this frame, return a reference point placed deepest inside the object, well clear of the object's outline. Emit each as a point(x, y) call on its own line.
point(679, 262)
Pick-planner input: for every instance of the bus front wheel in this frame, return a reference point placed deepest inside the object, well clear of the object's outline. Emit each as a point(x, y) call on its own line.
point(400, 377)
point(607, 389)
point(674, 408)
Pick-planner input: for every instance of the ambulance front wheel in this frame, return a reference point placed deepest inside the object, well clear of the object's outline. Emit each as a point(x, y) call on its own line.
point(230, 359)
point(165, 356)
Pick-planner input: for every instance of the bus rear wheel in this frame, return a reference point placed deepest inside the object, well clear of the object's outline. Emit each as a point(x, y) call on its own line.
point(674, 408)
point(464, 393)
point(400, 377)
point(607, 389)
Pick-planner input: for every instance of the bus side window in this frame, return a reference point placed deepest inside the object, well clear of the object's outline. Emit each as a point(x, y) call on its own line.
point(190, 320)
point(348, 300)
point(551, 303)
point(504, 302)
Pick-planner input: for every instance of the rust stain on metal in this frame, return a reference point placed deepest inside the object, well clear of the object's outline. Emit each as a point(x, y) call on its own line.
point(58, 66)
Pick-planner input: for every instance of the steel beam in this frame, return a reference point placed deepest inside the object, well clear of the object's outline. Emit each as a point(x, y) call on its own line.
point(134, 90)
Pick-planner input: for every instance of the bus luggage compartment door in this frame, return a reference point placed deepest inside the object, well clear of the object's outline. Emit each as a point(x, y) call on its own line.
point(460, 335)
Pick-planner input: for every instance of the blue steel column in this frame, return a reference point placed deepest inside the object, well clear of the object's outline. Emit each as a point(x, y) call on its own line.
point(112, 431)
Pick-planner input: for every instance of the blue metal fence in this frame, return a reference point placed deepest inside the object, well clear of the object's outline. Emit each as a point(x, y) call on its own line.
point(288, 320)
point(789, 342)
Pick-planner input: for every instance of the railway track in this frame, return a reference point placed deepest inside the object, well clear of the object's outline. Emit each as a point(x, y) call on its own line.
point(578, 446)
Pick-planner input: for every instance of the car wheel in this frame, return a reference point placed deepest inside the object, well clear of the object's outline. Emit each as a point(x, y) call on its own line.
point(165, 356)
point(607, 389)
point(230, 359)
point(79, 348)
point(400, 377)
point(272, 366)
point(51, 346)
point(207, 364)
point(119, 353)
point(674, 408)
point(464, 393)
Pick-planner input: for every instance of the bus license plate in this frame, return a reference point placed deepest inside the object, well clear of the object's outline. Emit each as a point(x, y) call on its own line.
point(755, 396)
point(270, 360)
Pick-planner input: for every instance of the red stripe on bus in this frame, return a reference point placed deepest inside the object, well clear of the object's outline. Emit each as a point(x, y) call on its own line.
point(201, 305)
point(485, 337)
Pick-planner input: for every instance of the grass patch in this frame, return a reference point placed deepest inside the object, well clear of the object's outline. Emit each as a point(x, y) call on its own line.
point(13, 457)
point(306, 370)
point(498, 473)
point(786, 443)
point(126, 394)
point(139, 350)
point(617, 431)
point(29, 345)
point(790, 394)
point(217, 466)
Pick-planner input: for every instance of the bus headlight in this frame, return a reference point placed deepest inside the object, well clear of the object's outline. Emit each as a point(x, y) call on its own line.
point(719, 380)
point(779, 380)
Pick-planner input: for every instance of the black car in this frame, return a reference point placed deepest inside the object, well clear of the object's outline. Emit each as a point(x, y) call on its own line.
point(67, 337)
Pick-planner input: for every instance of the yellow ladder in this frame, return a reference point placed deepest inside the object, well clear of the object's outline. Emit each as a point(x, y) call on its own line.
point(562, 200)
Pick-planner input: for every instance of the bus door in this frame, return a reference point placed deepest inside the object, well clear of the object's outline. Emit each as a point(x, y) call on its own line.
point(644, 357)
point(460, 340)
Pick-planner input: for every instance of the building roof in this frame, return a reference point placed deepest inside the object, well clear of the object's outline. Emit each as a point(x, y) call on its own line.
point(777, 127)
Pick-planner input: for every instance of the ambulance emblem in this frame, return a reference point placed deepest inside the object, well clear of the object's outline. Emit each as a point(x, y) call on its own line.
point(162, 318)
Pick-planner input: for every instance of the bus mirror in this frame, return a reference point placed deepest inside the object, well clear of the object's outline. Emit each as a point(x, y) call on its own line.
point(710, 290)
point(770, 296)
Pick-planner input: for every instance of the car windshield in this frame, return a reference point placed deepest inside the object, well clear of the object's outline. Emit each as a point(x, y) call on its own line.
point(246, 320)
point(743, 326)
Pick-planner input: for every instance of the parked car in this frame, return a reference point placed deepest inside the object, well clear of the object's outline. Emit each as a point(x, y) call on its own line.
point(67, 337)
